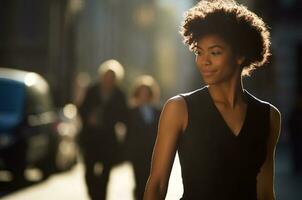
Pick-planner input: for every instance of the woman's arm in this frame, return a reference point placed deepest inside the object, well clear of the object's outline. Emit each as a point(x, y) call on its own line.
point(173, 121)
point(265, 179)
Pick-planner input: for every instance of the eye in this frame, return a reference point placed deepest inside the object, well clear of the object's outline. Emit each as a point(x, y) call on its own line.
point(216, 53)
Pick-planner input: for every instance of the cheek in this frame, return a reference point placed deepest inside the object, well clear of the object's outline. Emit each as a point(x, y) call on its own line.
point(227, 63)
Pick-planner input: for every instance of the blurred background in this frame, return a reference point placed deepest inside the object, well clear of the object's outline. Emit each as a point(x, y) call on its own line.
point(65, 41)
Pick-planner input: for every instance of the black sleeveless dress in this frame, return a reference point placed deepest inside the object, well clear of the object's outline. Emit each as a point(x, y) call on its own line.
point(216, 164)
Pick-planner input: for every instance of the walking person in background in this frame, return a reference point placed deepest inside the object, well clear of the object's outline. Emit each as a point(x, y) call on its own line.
point(102, 111)
point(142, 129)
point(225, 137)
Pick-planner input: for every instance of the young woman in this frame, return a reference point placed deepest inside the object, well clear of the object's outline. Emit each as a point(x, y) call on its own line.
point(142, 129)
point(225, 136)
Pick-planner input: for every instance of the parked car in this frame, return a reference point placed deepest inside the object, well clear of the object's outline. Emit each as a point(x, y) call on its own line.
point(33, 133)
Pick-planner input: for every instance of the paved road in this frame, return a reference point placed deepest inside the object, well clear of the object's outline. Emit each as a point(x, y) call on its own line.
point(70, 185)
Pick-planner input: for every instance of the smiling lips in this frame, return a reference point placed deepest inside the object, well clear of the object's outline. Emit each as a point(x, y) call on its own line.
point(207, 72)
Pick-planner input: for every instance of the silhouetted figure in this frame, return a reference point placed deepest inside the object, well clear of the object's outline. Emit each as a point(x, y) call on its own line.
point(143, 121)
point(295, 126)
point(225, 137)
point(103, 108)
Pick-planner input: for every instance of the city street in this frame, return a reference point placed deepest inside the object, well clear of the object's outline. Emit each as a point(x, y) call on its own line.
point(93, 77)
point(70, 185)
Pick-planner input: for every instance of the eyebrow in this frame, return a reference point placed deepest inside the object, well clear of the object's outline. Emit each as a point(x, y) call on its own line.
point(211, 47)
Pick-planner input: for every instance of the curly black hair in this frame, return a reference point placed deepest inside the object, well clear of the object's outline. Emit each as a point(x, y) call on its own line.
point(247, 34)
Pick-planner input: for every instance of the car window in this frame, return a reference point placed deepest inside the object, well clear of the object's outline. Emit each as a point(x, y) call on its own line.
point(12, 98)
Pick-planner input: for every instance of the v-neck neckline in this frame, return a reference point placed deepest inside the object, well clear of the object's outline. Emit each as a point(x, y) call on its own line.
point(230, 131)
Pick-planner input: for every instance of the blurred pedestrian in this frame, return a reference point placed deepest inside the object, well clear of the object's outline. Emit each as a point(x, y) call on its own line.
point(103, 110)
point(225, 137)
point(295, 127)
point(142, 129)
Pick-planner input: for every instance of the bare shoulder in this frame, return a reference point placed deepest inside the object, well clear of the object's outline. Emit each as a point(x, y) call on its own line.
point(175, 109)
point(176, 103)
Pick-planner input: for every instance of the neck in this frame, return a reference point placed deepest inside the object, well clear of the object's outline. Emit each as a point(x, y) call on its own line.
point(229, 93)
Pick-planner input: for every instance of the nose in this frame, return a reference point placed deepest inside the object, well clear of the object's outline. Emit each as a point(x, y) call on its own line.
point(203, 59)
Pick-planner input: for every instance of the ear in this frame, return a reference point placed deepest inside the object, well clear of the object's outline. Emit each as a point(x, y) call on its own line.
point(240, 60)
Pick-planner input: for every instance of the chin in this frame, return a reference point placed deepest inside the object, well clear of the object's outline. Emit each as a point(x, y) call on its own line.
point(209, 81)
point(215, 80)
point(212, 82)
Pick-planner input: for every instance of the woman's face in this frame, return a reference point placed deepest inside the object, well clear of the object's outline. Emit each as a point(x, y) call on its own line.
point(143, 95)
point(216, 61)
